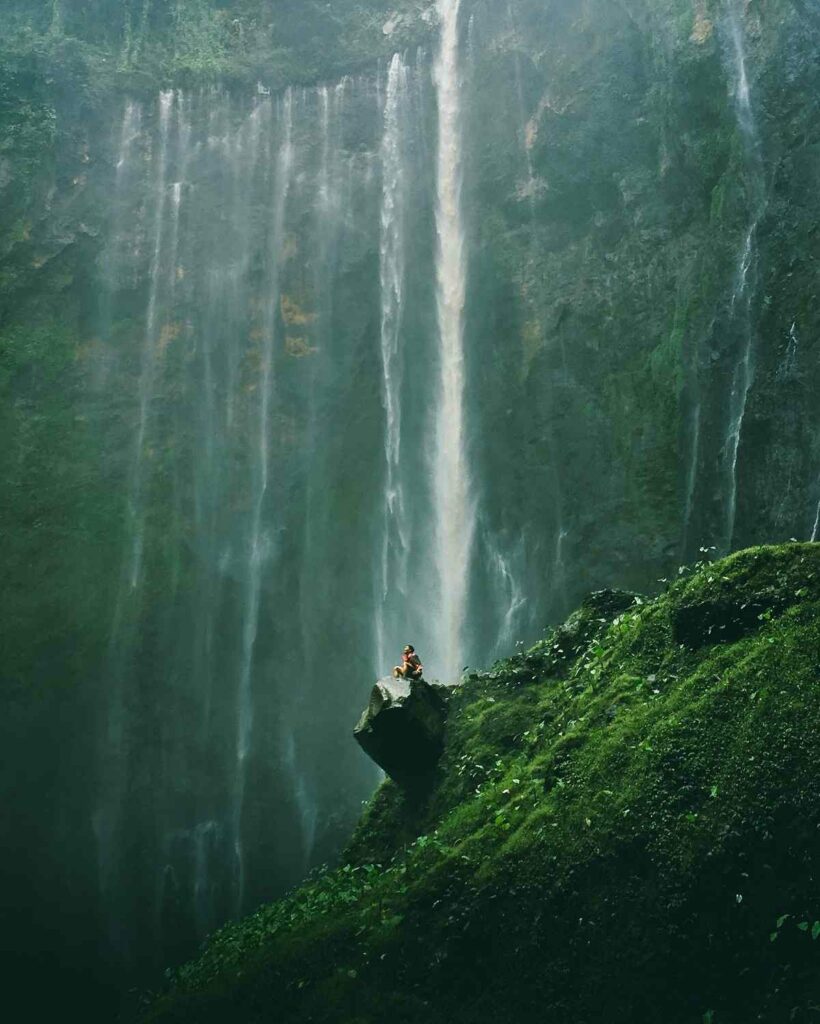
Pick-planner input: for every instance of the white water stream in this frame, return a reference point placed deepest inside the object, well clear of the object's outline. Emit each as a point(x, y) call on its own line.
point(258, 546)
point(743, 294)
point(393, 569)
point(149, 356)
point(107, 816)
point(454, 514)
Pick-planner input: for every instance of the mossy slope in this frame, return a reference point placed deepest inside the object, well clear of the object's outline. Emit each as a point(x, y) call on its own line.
point(625, 828)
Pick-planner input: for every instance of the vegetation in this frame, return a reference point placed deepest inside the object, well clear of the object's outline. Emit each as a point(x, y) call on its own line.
point(277, 41)
point(607, 197)
point(624, 828)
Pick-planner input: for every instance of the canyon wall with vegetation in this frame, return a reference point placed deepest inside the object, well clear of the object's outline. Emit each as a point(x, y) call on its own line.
point(224, 509)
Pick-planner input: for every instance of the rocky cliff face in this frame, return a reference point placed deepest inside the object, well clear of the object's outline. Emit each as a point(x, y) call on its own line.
point(208, 294)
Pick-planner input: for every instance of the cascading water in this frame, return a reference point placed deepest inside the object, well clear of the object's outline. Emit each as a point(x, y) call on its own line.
point(745, 283)
point(107, 816)
point(723, 354)
point(692, 469)
point(394, 553)
point(513, 600)
point(454, 515)
point(789, 367)
point(528, 190)
point(129, 135)
point(149, 354)
point(230, 387)
point(239, 466)
point(258, 547)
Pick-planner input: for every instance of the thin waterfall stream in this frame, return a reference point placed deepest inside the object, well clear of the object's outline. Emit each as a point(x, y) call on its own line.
point(745, 280)
point(722, 370)
point(149, 356)
point(259, 551)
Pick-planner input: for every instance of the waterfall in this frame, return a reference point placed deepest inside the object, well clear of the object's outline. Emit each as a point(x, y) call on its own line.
point(453, 508)
point(108, 816)
point(393, 568)
point(691, 475)
point(149, 355)
point(258, 548)
point(741, 377)
point(743, 292)
point(273, 292)
point(789, 367)
point(123, 168)
point(505, 574)
point(105, 818)
point(527, 189)
point(815, 533)
point(727, 351)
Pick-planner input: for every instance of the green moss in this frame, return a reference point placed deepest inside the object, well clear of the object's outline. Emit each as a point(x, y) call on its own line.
point(628, 808)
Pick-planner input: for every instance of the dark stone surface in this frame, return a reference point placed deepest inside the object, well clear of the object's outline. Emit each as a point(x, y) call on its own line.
point(402, 729)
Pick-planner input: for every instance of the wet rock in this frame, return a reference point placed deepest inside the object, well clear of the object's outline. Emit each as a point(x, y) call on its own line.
point(402, 729)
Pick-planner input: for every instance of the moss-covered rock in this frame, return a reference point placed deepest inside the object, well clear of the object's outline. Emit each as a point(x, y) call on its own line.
point(627, 834)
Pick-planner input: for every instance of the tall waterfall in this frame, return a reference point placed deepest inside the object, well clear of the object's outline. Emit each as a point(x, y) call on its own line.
point(149, 355)
point(745, 277)
point(267, 306)
point(395, 541)
point(234, 379)
point(453, 509)
point(723, 362)
point(258, 545)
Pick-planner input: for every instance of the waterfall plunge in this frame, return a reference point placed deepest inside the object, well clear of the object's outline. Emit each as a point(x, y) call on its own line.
point(393, 569)
point(251, 228)
point(453, 508)
point(258, 546)
point(716, 420)
point(147, 380)
point(743, 294)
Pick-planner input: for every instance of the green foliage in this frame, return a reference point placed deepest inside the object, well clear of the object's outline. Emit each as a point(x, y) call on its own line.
point(627, 816)
point(281, 42)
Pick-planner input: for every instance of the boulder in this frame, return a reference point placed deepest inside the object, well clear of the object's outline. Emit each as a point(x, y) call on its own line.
point(402, 729)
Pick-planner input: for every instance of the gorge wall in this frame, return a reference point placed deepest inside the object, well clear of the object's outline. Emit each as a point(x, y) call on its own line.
point(519, 303)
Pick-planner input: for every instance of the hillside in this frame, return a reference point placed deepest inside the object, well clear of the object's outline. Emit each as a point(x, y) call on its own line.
point(623, 829)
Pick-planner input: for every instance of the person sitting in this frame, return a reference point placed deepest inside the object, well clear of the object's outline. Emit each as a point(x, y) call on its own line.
point(411, 666)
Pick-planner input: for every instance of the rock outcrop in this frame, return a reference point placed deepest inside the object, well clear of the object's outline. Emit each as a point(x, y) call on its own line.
point(402, 729)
